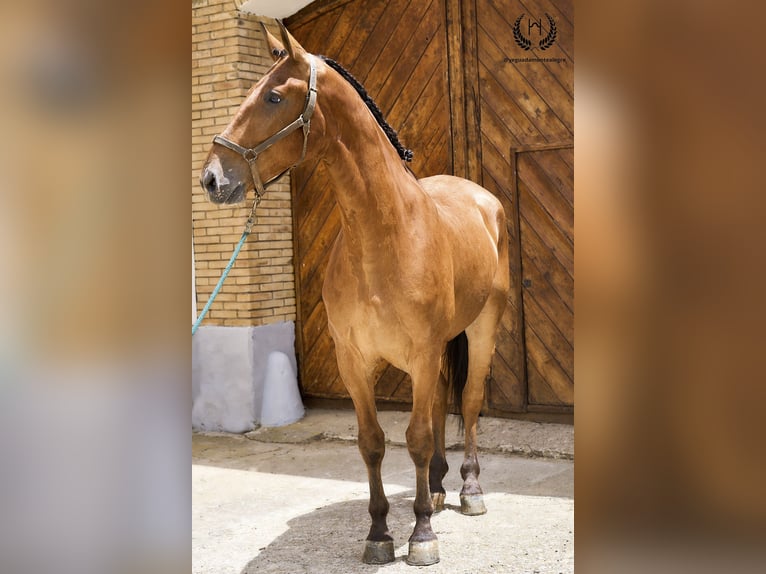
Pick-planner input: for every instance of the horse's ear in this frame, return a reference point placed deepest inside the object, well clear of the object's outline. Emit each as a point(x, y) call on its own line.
point(294, 49)
point(276, 49)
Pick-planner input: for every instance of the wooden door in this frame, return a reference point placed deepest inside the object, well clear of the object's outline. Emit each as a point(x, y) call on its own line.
point(466, 96)
point(544, 178)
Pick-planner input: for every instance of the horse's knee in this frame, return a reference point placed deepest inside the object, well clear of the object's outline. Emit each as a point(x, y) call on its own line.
point(372, 445)
point(420, 442)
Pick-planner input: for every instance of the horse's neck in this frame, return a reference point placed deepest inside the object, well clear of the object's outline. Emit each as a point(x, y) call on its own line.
point(377, 195)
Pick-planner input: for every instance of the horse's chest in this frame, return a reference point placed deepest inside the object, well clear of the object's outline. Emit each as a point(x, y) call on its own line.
point(349, 304)
point(374, 315)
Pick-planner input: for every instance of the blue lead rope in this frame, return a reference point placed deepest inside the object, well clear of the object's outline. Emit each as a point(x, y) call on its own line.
point(237, 249)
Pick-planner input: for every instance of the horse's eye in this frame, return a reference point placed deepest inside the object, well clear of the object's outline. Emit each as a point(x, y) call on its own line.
point(274, 98)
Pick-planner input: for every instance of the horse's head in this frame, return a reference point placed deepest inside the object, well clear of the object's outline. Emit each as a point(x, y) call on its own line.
point(269, 133)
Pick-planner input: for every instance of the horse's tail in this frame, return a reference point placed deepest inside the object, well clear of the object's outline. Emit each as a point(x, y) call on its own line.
point(456, 370)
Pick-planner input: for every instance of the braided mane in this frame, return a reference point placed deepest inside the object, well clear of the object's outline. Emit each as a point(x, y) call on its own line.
point(404, 153)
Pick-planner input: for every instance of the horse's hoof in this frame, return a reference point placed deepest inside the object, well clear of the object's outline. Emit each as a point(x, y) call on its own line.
point(423, 553)
point(438, 500)
point(472, 504)
point(376, 552)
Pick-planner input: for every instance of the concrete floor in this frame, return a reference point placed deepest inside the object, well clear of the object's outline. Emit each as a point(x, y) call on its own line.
point(294, 499)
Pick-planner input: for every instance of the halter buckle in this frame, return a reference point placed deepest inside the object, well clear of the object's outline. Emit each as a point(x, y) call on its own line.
point(250, 155)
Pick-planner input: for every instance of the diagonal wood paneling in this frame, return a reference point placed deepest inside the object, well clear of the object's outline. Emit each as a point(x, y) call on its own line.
point(523, 105)
point(397, 50)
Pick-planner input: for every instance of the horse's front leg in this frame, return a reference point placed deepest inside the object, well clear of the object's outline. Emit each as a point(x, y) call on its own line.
point(358, 377)
point(424, 547)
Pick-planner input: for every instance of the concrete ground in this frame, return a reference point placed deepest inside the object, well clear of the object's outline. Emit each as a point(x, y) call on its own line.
point(294, 499)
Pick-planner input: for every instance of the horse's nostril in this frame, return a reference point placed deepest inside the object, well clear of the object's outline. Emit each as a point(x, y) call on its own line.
point(209, 182)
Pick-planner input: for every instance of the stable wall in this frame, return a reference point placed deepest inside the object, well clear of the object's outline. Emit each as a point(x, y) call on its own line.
point(228, 57)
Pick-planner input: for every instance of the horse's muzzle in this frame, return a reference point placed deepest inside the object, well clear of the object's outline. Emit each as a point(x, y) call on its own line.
point(218, 191)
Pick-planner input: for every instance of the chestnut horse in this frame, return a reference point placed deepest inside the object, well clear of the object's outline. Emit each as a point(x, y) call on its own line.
point(418, 275)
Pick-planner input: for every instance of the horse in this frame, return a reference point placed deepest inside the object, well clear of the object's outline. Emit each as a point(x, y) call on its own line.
point(417, 277)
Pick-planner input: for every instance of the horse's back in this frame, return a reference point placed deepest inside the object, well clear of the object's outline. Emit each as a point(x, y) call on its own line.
point(463, 204)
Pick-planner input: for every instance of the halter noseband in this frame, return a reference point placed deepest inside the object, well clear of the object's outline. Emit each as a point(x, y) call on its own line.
point(303, 121)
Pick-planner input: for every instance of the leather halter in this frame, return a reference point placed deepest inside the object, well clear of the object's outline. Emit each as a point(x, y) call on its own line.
point(303, 121)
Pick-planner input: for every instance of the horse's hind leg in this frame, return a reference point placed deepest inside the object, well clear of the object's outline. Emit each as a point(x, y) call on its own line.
point(481, 346)
point(438, 468)
point(358, 377)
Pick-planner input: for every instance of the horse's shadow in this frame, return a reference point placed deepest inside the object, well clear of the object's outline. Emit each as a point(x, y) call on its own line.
point(331, 539)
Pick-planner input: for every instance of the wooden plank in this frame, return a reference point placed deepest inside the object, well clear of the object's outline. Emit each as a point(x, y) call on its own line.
point(315, 257)
point(556, 344)
point(427, 127)
point(299, 309)
point(502, 121)
point(508, 365)
point(430, 134)
point(436, 159)
point(315, 325)
point(314, 208)
point(557, 172)
point(316, 379)
point(389, 380)
point(471, 91)
point(456, 83)
point(567, 156)
point(343, 29)
point(536, 286)
point(542, 189)
point(312, 35)
point(501, 395)
point(416, 101)
point(566, 9)
point(517, 270)
point(311, 13)
point(403, 391)
point(532, 214)
point(553, 271)
point(393, 50)
point(370, 14)
point(380, 36)
point(541, 361)
point(421, 50)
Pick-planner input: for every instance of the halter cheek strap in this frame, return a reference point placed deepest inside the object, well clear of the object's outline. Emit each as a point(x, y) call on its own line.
point(303, 121)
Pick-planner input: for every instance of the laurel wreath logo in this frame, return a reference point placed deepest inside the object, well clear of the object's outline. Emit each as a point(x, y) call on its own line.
point(525, 43)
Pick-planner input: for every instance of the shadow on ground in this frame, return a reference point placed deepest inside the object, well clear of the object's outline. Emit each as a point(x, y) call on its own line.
point(330, 540)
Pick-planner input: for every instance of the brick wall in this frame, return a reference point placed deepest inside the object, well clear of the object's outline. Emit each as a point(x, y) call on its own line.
point(228, 56)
